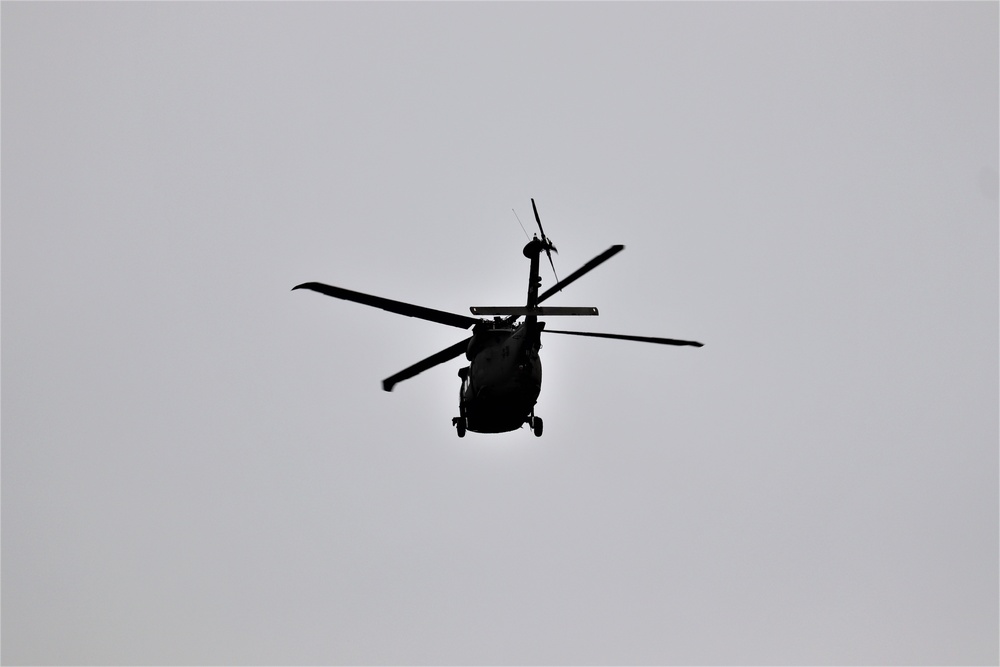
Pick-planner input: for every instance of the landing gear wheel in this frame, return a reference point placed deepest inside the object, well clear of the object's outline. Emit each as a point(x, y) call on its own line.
point(536, 426)
point(459, 423)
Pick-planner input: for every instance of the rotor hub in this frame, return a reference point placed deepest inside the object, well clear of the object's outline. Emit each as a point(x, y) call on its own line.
point(536, 246)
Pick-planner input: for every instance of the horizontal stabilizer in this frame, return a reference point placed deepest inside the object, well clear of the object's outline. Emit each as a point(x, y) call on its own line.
point(539, 312)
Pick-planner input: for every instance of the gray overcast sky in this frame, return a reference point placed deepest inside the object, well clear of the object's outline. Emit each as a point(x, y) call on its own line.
point(199, 466)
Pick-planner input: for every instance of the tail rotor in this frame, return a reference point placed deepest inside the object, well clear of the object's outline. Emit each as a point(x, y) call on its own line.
point(546, 242)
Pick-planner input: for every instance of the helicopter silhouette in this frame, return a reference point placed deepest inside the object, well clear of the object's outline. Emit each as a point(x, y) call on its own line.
point(501, 384)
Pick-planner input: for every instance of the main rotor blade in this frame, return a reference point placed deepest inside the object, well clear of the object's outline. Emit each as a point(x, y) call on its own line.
point(589, 266)
point(408, 309)
point(641, 339)
point(444, 355)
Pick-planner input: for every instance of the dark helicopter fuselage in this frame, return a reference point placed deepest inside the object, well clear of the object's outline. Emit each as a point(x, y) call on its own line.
point(502, 383)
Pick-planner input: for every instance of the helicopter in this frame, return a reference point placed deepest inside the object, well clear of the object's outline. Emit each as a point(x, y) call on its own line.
point(501, 384)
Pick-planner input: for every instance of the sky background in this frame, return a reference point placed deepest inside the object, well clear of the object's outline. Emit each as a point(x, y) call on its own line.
point(199, 465)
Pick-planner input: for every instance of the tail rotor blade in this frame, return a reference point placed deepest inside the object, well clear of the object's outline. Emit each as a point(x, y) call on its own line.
point(537, 219)
point(552, 264)
point(549, 248)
